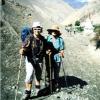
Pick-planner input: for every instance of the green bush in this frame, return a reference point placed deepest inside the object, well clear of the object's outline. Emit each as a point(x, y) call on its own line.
point(79, 29)
point(77, 23)
point(97, 29)
point(96, 38)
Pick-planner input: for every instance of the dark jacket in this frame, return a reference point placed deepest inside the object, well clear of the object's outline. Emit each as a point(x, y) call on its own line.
point(35, 48)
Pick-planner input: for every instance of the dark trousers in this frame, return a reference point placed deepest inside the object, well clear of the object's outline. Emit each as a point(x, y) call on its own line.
point(54, 68)
point(38, 66)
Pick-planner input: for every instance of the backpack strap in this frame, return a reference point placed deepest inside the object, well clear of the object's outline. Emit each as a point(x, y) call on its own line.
point(61, 43)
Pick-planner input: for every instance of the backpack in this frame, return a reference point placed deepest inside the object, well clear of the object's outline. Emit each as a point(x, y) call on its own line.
point(61, 43)
point(26, 31)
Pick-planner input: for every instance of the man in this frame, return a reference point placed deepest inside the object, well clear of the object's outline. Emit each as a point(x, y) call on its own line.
point(33, 49)
point(55, 53)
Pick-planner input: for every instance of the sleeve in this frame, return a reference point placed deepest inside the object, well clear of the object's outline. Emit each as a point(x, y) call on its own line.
point(61, 44)
point(23, 44)
point(27, 41)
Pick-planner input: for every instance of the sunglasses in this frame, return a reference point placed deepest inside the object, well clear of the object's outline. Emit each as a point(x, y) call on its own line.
point(36, 28)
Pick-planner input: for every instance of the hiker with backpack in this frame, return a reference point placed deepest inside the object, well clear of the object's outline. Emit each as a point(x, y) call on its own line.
point(33, 48)
point(54, 54)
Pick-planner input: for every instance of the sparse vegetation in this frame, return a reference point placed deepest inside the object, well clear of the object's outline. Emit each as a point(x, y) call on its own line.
point(77, 61)
point(78, 27)
point(77, 23)
point(97, 29)
point(96, 38)
point(3, 2)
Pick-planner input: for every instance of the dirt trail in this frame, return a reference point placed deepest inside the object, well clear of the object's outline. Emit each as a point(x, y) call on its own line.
point(80, 62)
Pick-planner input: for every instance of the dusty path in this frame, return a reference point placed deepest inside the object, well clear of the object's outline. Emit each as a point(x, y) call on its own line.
point(80, 62)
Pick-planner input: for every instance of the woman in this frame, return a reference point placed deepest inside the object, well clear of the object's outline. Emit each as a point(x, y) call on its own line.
point(55, 53)
point(33, 49)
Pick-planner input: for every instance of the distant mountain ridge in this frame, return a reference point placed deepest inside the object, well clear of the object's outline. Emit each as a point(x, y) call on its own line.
point(78, 61)
point(91, 9)
point(55, 11)
point(76, 4)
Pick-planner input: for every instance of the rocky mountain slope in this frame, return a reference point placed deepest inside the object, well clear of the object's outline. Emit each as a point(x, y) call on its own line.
point(81, 65)
point(91, 9)
point(46, 12)
point(55, 11)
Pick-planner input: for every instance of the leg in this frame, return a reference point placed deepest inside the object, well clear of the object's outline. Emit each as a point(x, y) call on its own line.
point(49, 69)
point(38, 73)
point(28, 80)
point(29, 75)
point(56, 73)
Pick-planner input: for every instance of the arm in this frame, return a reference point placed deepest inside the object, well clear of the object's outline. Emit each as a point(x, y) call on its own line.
point(61, 52)
point(24, 48)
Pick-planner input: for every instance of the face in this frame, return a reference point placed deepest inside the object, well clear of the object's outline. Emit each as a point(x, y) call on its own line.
point(36, 31)
point(54, 33)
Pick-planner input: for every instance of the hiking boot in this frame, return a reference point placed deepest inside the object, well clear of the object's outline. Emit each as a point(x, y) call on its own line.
point(26, 95)
point(47, 82)
point(57, 88)
point(37, 90)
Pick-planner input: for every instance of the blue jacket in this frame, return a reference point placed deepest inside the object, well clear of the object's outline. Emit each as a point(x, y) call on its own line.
point(58, 44)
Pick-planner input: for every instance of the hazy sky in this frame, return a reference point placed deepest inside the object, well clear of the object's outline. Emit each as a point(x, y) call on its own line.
point(76, 3)
point(80, 0)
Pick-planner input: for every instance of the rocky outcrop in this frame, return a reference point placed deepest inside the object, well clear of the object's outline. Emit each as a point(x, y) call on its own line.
point(80, 64)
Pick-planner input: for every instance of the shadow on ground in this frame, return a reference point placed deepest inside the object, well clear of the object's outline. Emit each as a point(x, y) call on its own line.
point(64, 82)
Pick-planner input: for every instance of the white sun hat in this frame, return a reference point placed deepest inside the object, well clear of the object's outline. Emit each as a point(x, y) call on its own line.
point(36, 24)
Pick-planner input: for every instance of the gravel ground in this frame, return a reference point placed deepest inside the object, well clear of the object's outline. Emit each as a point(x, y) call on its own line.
point(81, 68)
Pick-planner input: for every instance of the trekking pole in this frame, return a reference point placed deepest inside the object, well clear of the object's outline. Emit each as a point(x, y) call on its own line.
point(45, 73)
point(44, 68)
point(65, 77)
point(50, 72)
point(16, 87)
